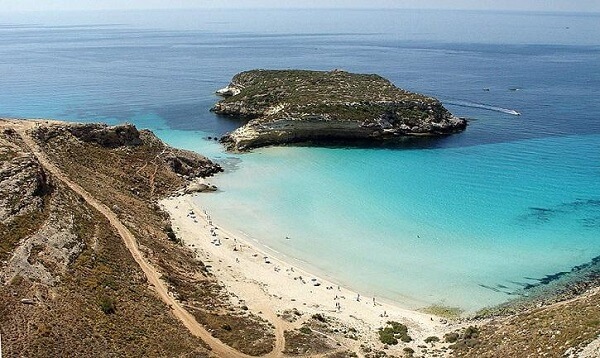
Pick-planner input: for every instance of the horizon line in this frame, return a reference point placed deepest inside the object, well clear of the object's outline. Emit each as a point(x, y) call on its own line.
point(307, 8)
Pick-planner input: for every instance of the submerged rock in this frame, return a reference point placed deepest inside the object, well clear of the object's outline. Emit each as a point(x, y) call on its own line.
point(293, 106)
point(195, 187)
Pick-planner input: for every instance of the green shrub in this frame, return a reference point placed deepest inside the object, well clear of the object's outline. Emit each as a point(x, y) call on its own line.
point(471, 332)
point(464, 344)
point(319, 317)
point(392, 332)
point(450, 337)
point(408, 352)
point(305, 330)
point(432, 339)
point(387, 337)
point(468, 339)
point(107, 305)
point(443, 311)
point(171, 235)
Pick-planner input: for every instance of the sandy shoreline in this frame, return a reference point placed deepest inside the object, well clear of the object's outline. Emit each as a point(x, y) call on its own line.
point(272, 285)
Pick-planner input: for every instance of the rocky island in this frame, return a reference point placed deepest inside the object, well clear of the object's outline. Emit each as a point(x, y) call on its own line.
point(299, 106)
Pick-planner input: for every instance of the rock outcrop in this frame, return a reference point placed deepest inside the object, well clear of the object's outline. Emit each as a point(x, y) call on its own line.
point(102, 134)
point(23, 184)
point(183, 162)
point(292, 106)
point(46, 254)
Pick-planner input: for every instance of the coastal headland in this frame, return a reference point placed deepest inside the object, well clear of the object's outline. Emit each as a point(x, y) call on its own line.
point(327, 107)
point(103, 250)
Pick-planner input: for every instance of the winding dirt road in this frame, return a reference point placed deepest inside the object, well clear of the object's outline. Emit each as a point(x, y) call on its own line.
point(218, 348)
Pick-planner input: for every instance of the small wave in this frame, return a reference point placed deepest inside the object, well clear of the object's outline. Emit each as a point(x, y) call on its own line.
point(484, 106)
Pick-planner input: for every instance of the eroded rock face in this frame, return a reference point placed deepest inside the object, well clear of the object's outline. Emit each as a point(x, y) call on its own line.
point(26, 191)
point(293, 106)
point(46, 254)
point(23, 184)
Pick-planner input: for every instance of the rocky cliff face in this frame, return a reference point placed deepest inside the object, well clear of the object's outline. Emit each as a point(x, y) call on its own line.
point(23, 184)
point(292, 106)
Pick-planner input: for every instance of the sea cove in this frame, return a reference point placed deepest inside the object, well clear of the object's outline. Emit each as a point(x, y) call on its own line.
point(372, 219)
point(466, 221)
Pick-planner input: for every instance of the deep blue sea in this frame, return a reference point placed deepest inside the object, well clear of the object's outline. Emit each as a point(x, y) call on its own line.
point(466, 220)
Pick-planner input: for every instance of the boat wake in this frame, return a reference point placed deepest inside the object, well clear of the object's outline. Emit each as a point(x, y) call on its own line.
point(486, 107)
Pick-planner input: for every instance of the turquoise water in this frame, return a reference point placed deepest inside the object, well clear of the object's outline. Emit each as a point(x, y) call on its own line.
point(433, 225)
point(468, 220)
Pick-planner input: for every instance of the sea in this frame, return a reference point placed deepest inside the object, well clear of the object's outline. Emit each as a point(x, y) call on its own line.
point(469, 220)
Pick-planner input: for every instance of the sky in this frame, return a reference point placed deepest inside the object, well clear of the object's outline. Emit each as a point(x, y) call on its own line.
point(515, 5)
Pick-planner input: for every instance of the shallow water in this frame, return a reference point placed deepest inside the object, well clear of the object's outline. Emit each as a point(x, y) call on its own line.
point(466, 220)
point(460, 226)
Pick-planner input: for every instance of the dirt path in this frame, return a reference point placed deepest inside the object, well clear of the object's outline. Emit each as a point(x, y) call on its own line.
point(218, 348)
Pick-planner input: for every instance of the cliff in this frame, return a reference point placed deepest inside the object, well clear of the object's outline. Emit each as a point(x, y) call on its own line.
point(293, 106)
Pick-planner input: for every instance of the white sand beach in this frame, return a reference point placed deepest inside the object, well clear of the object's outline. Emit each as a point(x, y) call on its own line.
point(269, 285)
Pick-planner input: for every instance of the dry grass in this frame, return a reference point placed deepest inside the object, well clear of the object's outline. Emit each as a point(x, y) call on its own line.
point(67, 319)
point(305, 341)
point(131, 180)
point(20, 227)
point(245, 332)
point(544, 332)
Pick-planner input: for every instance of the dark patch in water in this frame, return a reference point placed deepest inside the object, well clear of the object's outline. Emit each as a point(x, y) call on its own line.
point(229, 164)
point(590, 222)
point(584, 203)
point(594, 262)
point(582, 207)
point(522, 284)
point(541, 214)
point(399, 143)
point(592, 266)
point(557, 286)
point(502, 289)
point(546, 280)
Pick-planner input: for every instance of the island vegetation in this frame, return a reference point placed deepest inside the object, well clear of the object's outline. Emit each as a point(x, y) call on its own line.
point(327, 107)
